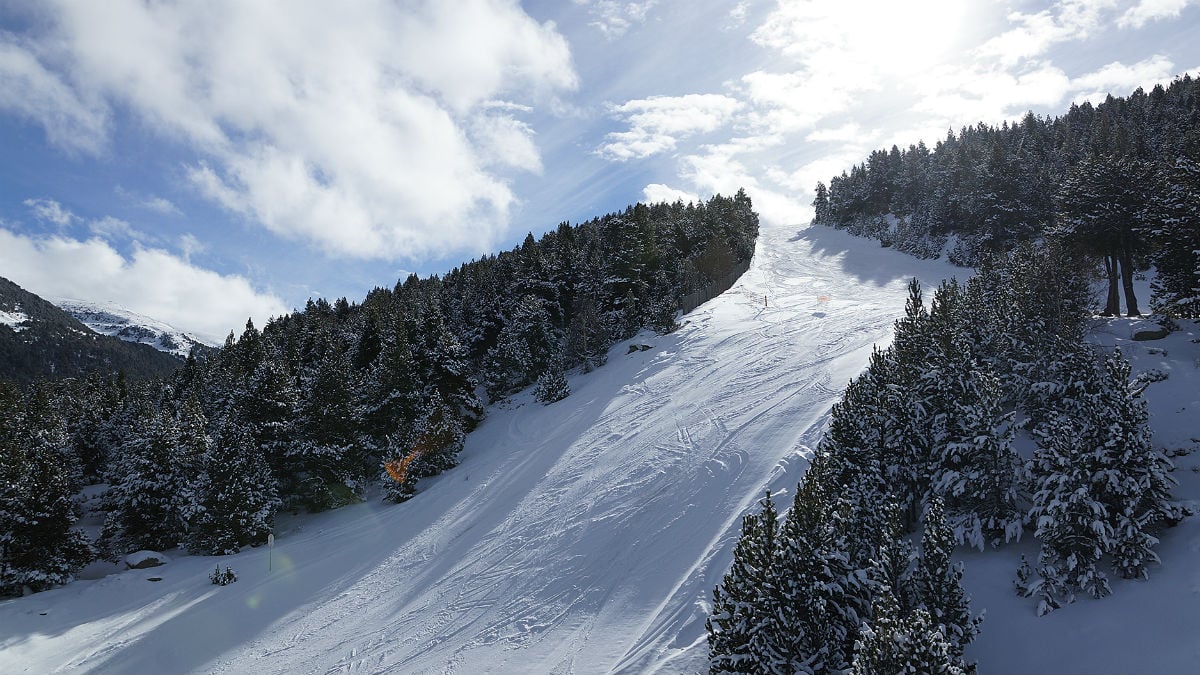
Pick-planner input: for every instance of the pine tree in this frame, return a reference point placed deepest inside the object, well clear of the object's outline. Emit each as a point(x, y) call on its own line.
point(150, 492)
point(552, 385)
point(976, 470)
point(39, 547)
point(736, 643)
point(236, 496)
point(817, 616)
point(938, 584)
point(1173, 219)
point(1138, 480)
point(1072, 520)
point(895, 644)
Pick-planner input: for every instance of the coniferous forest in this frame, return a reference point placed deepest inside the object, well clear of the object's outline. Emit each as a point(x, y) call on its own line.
point(1040, 208)
point(311, 410)
point(1119, 180)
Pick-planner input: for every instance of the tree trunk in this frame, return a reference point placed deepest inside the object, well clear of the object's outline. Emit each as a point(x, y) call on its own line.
point(1113, 306)
point(1127, 282)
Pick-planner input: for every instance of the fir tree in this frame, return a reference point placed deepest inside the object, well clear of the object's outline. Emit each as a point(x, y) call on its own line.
point(938, 584)
point(236, 496)
point(39, 547)
point(552, 385)
point(895, 644)
point(736, 639)
point(150, 488)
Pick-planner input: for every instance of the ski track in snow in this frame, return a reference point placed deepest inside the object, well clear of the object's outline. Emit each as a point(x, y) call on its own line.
point(577, 538)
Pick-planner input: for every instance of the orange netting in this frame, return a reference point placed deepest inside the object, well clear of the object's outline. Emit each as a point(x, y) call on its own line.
point(397, 467)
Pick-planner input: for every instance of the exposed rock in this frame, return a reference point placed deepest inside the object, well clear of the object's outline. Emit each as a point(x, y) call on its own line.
point(1152, 334)
point(145, 559)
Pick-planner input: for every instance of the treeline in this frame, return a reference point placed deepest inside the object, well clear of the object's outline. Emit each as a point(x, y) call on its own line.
point(1120, 180)
point(318, 404)
point(924, 439)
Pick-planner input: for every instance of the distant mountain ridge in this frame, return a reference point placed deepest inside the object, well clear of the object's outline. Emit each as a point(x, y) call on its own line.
point(40, 340)
point(109, 318)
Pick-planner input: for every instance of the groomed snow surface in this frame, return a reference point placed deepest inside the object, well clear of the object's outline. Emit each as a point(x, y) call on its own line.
point(586, 536)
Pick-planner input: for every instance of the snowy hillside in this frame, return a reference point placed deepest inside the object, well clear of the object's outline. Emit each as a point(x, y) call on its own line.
point(586, 536)
point(111, 319)
point(14, 319)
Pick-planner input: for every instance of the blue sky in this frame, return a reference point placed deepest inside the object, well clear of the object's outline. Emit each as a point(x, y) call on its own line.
point(201, 162)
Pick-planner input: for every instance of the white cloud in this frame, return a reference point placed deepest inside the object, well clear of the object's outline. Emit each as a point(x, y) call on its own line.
point(161, 205)
point(189, 246)
point(737, 15)
point(614, 18)
point(151, 282)
point(965, 95)
point(1034, 34)
point(658, 122)
point(1151, 10)
point(655, 193)
point(1119, 79)
point(114, 228)
point(30, 90)
point(50, 211)
point(370, 130)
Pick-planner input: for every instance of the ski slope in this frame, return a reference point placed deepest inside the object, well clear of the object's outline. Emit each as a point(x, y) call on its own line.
point(586, 536)
point(581, 537)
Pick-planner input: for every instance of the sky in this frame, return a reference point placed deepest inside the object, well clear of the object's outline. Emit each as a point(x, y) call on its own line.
point(206, 161)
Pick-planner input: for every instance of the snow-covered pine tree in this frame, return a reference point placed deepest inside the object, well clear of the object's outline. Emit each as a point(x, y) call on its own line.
point(524, 349)
point(39, 546)
point(391, 391)
point(432, 447)
point(1173, 219)
point(895, 644)
point(975, 471)
point(1072, 521)
point(818, 613)
point(740, 602)
point(149, 493)
point(236, 495)
point(1138, 481)
point(937, 582)
point(552, 385)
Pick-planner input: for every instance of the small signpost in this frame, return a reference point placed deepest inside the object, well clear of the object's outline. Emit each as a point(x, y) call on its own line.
point(270, 550)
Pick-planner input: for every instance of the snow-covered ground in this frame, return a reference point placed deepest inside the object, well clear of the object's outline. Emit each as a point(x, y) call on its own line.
point(14, 319)
point(109, 318)
point(586, 536)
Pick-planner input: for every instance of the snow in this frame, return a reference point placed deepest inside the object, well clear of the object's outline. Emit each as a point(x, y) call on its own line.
point(586, 536)
point(109, 318)
point(14, 319)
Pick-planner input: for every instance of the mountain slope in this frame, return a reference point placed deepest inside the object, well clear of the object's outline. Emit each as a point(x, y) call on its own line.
point(581, 537)
point(38, 339)
point(112, 319)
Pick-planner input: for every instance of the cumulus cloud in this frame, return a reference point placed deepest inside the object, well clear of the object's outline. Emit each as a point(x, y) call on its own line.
point(658, 122)
point(1121, 78)
point(655, 193)
point(151, 282)
point(1146, 11)
point(369, 130)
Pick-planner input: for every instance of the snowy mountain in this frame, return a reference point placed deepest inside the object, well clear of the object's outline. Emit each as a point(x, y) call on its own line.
point(109, 318)
point(586, 536)
point(39, 340)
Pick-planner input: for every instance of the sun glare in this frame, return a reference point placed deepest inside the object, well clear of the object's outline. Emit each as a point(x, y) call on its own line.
point(902, 38)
